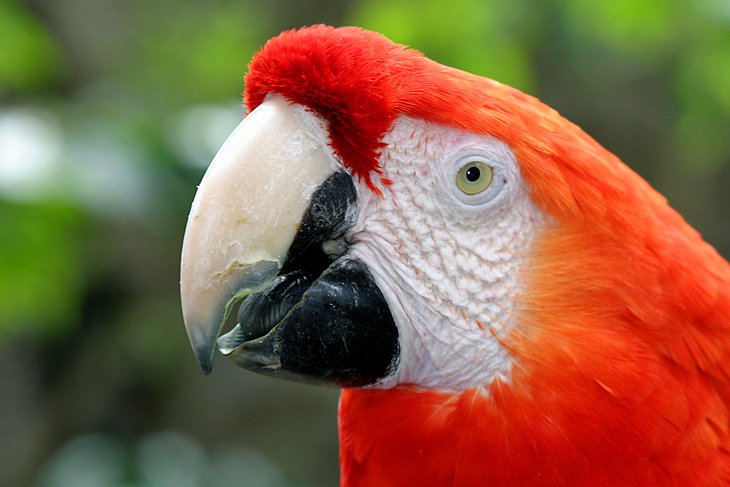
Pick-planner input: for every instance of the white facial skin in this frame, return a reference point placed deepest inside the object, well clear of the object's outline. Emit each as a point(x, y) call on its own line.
point(448, 263)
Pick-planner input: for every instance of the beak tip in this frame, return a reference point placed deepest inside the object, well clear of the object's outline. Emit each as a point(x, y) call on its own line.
point(205, 359)
point(206, 368)
point(202, 339)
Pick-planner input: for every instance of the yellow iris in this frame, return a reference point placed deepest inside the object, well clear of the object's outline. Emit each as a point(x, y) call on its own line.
point(474, 177)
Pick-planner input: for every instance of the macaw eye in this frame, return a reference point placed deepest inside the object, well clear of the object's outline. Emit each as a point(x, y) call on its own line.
point(474, 177)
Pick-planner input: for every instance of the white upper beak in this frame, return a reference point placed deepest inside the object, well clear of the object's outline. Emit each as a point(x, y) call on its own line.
point(246, 213)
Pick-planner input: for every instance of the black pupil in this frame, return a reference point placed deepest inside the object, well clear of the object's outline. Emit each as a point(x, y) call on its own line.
point(473, 174)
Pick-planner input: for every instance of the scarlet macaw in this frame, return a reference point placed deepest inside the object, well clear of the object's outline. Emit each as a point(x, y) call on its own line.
point(502, 300)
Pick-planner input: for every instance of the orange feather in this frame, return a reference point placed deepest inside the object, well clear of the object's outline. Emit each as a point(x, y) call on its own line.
point(621, 344)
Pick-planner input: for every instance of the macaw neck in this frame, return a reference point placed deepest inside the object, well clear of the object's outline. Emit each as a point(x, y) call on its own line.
point(405, 436)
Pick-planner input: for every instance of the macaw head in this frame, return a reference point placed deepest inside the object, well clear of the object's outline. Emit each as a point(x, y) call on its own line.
point(382, 220)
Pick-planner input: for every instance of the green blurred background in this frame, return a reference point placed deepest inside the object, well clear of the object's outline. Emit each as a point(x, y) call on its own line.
point(111, 110)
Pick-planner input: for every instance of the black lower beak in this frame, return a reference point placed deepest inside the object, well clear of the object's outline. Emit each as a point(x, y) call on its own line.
point(319, 320)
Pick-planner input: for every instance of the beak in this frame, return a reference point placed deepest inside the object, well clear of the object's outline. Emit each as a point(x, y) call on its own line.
point(246, 213)
point(267, 229)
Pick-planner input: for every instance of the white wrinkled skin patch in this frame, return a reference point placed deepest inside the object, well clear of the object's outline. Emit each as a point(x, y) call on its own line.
point(449, 266)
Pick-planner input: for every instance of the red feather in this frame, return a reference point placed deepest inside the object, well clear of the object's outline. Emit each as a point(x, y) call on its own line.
point(622, 339)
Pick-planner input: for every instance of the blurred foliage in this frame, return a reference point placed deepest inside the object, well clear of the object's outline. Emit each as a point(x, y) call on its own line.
point(110, 112)
point(491, 40)
point(42, 265)
point(30, 58)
